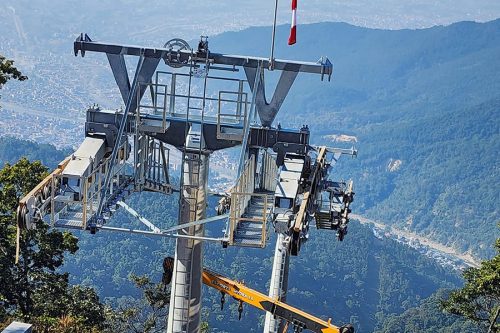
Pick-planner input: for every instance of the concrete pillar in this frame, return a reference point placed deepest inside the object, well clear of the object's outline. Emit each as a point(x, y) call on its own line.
point(186, 299)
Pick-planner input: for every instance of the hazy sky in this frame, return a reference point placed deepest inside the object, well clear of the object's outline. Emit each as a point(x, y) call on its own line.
point(161, 19)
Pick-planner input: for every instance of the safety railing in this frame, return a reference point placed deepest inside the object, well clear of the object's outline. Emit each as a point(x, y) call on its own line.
point(246, 181)
point(268, 172)
point(242, 194)
point(231, 110)
point(156, 105)
point(77, 212)
point(201, 100)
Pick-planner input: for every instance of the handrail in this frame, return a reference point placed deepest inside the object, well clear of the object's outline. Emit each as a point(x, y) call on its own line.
point(240, 195)
point(269, 171)
point(241, 103)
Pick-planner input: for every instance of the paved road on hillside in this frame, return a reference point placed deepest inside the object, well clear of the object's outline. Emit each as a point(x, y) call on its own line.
point(467, 258)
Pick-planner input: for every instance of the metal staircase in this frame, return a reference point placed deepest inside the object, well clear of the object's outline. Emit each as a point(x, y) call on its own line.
point(251, 230)
point(121, 194)
point(252, 203)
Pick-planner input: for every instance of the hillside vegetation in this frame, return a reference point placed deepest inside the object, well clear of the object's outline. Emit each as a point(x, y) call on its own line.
point(361, 280)
point(427, 317)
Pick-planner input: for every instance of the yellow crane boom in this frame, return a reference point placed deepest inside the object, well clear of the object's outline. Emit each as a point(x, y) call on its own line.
point(298, 318)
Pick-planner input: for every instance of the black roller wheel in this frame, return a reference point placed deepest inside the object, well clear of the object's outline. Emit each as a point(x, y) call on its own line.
point(21, 217)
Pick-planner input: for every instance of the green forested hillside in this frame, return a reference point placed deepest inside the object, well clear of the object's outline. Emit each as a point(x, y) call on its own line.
point(11, 149)
point(429, 98)
point(427, 317)
point(361, 280)
point(447, 185)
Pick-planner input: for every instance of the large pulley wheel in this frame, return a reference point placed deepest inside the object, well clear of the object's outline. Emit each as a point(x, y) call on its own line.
point(176, 45)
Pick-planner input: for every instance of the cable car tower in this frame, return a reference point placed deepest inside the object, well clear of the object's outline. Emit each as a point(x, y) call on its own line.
point(199, 103)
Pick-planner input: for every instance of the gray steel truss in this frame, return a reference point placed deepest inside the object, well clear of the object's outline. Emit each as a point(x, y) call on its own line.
point(183, 131)
point(83, 44)
point(267, 110)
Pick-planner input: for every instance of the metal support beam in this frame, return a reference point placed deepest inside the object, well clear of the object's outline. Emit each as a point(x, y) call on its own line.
point(268, 111)
point(145, 69)
point(83, 43)
point(353, 152)
point(106, 122)
point(157, 230)
point(199, 222)
point(248, 120)
point(119, 68)
point(143, 220)
point(151, 233)
point(130, 99)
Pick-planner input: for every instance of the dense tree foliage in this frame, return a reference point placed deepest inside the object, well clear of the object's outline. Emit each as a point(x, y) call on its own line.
point(427, 317)
point(35, 290)
point(9, 71)
point(145, 315)
point(479, 299)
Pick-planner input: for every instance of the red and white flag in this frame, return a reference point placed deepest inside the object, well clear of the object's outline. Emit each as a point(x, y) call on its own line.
point(293, 30)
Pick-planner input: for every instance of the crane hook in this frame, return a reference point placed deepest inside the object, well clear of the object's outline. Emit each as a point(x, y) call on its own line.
point(222, 300)
point(240, 310)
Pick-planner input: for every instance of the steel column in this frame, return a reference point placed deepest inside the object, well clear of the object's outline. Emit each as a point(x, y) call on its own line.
point(279, 282)
point(185, 300)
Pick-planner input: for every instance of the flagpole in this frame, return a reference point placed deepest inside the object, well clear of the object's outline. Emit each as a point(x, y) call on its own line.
point(271, 59)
